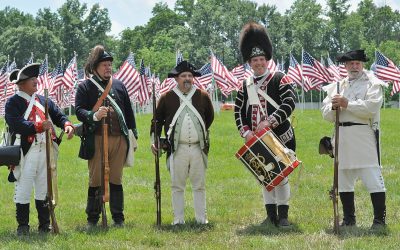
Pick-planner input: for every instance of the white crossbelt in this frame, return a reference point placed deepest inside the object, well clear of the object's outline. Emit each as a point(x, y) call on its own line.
point(185, 103)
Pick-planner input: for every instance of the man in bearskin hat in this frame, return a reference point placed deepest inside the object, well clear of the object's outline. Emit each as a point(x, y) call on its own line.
point(115, 107)
point(186, 113)
point(359, 97)
point(266, 99)
point(25, 116)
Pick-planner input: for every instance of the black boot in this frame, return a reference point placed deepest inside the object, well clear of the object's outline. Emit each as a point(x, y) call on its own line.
point(43, 216)
point(117, 204)
point(347, 199)
point(93, 207)
point(379, 204)
point(22, 216)
point(283, 215)
point(272, 217)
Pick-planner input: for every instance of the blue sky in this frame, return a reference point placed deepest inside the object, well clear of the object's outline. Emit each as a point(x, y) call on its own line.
point(130, 13)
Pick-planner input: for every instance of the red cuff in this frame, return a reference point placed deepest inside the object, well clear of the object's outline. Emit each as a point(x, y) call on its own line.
point(39, 127)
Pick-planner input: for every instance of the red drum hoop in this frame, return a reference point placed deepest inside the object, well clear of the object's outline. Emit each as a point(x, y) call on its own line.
point(267, 158)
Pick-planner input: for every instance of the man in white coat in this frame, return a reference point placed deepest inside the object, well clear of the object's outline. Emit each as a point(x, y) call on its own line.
point(359, 97)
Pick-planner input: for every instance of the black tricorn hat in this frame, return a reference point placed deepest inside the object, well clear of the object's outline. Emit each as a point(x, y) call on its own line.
point(13, 75)
point(183, 66)
point(353, 55)
point(29, 71)
point(254, 41)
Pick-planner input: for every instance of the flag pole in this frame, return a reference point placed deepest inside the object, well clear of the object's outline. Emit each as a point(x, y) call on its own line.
point(302, 81)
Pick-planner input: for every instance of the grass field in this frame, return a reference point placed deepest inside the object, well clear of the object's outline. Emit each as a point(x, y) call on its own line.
point(234, 199)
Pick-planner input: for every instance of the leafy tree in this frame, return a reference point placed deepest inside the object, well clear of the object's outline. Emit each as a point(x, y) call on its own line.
point(48, 19)
point(96, 25)
point(13, 18)
point(20, 42)
point(337, 13)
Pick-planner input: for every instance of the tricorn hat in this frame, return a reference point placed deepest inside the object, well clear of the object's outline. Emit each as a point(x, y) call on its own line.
point(30, 70)
point(13, 75)
point(183, 66)
point(254, 41)
point(353, 55)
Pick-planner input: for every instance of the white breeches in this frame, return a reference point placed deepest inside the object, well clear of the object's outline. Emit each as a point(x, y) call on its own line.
point(188, 162)
point(33, 175)
point(371, 178)
point(279, 195)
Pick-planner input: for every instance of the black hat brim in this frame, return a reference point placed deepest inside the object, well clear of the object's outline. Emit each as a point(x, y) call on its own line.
point(29, 71)
point(353, 55)
point(183, 66)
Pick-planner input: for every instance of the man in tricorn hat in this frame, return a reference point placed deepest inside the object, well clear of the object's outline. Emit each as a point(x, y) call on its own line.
point(186, 114)
point(266, 99)
point(115, 107)
point(359, 99)
point(25, 116)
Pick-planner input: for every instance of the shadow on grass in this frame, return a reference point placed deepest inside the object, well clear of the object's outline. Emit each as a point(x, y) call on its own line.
point(32, 237)
point(99, 230)
point(269, 229)
point(191, 226)
point(354, 232)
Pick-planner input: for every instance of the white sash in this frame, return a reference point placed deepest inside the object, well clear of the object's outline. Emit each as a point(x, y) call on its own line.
point(253, 97)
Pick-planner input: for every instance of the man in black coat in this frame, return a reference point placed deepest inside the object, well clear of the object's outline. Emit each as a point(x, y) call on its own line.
point(118, 114)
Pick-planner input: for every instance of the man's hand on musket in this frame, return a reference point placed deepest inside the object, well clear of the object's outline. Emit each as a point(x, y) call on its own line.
point(339, 101)
point(101, 113)
point(69, 130)
point(46, 125)
point(154, 149)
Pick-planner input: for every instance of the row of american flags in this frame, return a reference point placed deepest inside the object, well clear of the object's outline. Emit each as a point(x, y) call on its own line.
point(310, 74)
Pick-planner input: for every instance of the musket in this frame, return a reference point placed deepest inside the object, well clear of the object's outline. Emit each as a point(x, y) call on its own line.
point(157, 183)
point(105, 171)
point(50, 169)
point(334, 191)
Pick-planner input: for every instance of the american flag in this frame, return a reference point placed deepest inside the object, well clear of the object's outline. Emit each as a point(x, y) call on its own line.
point(294, 70)
point(30, 60)
point(224, 79)
point(9, 87)
point(129, 75)
point(386, 70)
point(271, 65)
point(242, 72)
point(342, 70)
point(202, 81)
point(312, 68)
point(70, 74)
point(334, 70)
point(55, 80)
point(3, 77)
point(167, 85)
point(43, 77)
point(143, 90)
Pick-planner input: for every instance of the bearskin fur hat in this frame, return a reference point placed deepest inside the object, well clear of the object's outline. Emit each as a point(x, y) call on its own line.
point(254, 41)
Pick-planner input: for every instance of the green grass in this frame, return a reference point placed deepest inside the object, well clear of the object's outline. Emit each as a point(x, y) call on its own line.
point(234, 199)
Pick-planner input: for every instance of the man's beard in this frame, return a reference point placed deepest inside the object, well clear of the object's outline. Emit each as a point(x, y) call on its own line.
point(354, 74)
point(187, 84)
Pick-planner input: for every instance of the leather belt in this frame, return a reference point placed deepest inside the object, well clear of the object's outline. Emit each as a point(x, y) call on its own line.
point(347, 124)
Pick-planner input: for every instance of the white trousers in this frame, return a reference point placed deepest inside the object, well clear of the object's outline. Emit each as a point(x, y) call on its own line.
point(279, 195)
point(33, 174)
point(187, 162)
point(371, 178)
